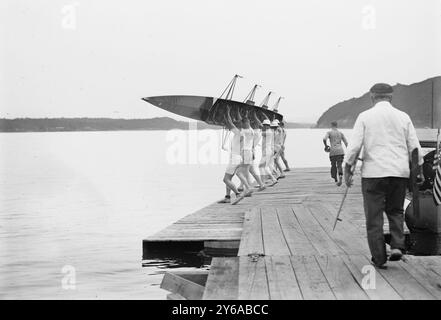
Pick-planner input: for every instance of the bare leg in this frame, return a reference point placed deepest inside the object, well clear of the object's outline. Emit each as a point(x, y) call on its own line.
point(272, 166)
point(242, 177)
point(227, 191)
point(229, 183)
point(265, 170)
point(285, 162)
point(247, 175)
point(256, 176)
point(263, 174)
point(250, 176)
point(276, 161)
point(272, 177)
point(269, 173)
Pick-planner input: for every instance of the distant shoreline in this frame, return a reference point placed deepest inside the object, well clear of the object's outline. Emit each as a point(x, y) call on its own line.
point(109, 124)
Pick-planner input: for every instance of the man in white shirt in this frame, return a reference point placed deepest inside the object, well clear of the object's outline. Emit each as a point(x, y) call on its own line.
point(278, 142)
point(267, 152)
point(282, 152)
point(388, 138)
point(235, 160)
point(256, 125)
point(246, 151)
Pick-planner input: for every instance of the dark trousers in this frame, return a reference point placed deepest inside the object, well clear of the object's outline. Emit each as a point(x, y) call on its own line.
point(336, 166)
point(384, 195)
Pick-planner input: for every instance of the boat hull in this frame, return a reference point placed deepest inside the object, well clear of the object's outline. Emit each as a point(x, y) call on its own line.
point(207, 109)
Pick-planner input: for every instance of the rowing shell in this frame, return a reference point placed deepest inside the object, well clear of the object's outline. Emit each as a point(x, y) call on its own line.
point(208, 109)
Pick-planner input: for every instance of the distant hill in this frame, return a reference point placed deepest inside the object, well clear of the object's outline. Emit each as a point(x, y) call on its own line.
point(414, 99)
point(103, 124)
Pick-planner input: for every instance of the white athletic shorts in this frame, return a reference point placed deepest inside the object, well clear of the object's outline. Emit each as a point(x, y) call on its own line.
point(233, 164)
point(265, 161)
point(257, 157)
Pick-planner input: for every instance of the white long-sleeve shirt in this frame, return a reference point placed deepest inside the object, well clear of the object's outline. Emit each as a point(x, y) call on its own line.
point(388, 138)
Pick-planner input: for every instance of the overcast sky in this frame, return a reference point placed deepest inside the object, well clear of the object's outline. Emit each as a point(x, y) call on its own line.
point(97, 58)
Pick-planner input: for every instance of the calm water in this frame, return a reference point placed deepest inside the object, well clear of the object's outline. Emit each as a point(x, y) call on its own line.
point(79, 204)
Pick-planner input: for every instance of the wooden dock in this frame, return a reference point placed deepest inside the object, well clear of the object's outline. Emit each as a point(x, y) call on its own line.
point(279, 244)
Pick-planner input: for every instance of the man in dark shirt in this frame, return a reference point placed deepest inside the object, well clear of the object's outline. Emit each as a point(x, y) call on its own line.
point(336, 152)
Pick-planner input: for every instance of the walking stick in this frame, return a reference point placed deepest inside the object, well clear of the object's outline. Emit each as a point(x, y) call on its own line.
point(337, 218)
point(339, 210)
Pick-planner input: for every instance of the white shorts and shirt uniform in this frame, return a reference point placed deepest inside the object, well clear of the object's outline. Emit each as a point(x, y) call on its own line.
point(247, 146)
point(257, 147)
point(235, 152)
point(278, 139)
point(267, 146)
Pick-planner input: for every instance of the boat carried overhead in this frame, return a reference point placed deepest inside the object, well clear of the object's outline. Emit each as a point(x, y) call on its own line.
point(210, 109)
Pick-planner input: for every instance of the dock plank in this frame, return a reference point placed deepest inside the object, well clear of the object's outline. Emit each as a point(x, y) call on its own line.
point(222, 282)
point(432, 263)
point(403, 283)
point(340, 278)
point(298, 243)
point(315, 233)
point(345, 235)
point(311, 279)
point(252, 237)
point(274, 242)
point(282, 281)
point(181, 286)
point(360, 267)
point(427, 278)
point(253, 282)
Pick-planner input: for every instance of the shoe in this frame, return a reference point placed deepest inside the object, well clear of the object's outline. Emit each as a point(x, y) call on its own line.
point(395, 255)
point(240, 189)
point(239, 197)
point(287, 169)
point(225, 200)
point(248, 193)
point(340, 181)
point(379, 266)
point(281, 177)
point(261, 188)
point(273, 183)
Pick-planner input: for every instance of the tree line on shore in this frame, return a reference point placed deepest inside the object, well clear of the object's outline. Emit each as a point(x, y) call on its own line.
point(102, 124)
